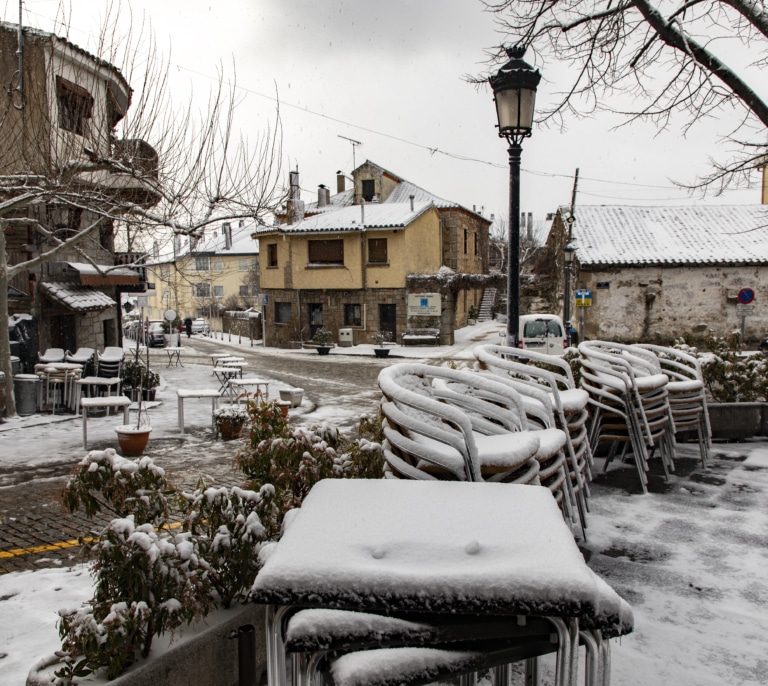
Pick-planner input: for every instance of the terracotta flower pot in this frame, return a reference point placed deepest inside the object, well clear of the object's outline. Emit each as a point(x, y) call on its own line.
point(132, 440)
point(229, 429)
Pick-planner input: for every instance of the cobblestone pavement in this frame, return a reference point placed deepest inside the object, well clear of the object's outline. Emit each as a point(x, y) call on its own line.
point(35, 530)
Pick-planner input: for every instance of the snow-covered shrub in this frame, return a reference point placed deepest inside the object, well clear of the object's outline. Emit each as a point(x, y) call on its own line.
point(226, 525)
point(294, 458)
point(729, 375)
point(103, 480)
point(147, 582)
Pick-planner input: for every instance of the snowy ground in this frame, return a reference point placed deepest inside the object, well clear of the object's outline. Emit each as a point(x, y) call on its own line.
point(691, 560)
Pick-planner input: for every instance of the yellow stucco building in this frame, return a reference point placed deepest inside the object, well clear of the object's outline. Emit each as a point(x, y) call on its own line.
point(206, 276)
point(348, 262)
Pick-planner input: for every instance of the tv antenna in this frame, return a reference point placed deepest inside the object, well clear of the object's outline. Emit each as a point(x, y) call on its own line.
point(354, 143)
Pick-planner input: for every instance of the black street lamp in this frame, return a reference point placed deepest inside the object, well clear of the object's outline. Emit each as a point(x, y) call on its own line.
point(568, 251)
point(514, 91)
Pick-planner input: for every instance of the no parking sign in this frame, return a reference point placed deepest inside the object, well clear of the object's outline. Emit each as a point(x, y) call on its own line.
point(746, 296)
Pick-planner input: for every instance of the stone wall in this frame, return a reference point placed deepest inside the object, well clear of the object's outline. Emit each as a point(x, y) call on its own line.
point(657, 304)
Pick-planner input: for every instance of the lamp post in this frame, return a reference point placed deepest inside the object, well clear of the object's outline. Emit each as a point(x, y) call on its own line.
point(514, 91)
point(568, 251)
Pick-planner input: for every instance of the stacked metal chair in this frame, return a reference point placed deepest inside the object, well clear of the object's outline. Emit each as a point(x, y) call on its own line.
point(630, 401)
point(562, 400)
point(83, 356)
point(687, 394)
point(52, 355)
point(363, 648)
point(460, 425)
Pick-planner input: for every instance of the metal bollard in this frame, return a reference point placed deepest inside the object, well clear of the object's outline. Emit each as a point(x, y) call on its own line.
point(246, 655)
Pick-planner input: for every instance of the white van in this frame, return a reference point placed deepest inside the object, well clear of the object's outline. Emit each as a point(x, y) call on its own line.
point(543, 333)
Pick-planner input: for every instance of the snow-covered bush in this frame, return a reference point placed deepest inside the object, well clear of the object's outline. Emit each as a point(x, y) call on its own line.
point(150, 577)
point(729, 375)
point(294, 458)
point(226, 525)
point(147, 583)
point(103, 480)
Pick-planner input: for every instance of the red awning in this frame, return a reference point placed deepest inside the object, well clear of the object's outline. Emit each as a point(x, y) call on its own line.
point(105, 275)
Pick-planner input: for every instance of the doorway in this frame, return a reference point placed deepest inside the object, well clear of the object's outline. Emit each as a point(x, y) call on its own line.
point(388, 320)
point(64, 332)
point(315, 318)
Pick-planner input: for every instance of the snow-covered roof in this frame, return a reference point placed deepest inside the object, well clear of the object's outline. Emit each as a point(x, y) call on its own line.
point(77, 299)
point(30, 32)
point(620, 235)
point(215, 242)
point(355, 218)
point(400, 194)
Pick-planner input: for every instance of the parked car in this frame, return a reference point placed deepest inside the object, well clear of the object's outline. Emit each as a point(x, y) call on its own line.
point(543, 333)
point(199, 325)
point(155, 336)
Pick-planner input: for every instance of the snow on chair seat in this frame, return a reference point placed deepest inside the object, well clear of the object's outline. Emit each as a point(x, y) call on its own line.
point(184, 393)
point(474, 433)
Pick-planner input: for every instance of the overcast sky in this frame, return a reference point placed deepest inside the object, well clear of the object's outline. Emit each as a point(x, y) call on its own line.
point(391, 76)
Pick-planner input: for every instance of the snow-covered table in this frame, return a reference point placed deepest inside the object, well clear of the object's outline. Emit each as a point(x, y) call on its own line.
point(431, 547)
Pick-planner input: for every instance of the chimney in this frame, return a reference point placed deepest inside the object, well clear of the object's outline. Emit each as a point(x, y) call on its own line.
point(321, 199)
point(293, 198)
point(411, 197)
point(764, 198)
point(341, 182)
point(226, 231)
point(530, 226)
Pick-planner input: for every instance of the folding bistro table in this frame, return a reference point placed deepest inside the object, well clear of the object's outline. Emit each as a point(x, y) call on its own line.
point(437, 548)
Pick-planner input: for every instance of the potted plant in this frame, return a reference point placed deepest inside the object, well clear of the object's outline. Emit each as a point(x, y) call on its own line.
point(229, 421)
point(323, 340)
point(139, 381)
point(381, 337)
point(133, 438)
point(472, 315)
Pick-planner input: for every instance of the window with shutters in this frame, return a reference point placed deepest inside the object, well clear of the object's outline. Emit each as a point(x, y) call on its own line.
point(75, 106)
point(377, 251)
point(326, 252)
point(271, 254)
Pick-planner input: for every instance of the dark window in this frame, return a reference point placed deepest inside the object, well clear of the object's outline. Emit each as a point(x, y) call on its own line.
point(477, 249)
point(202, 290)
point(353, 315)
point(271, 254)
point(75, 106)
point(254, 290)
point(282, 313)
point(377, 250)
point(326, 252)
point(466, 240)
point(202, 263)
point(243, 290)
point(369, 189)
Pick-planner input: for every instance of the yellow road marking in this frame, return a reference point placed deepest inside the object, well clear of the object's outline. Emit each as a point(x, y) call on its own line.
point(42, 548)
point(50, 547)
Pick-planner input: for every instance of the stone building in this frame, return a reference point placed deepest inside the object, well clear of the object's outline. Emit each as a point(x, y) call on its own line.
point(62, 107)
point(351, 260)
point(654, 273)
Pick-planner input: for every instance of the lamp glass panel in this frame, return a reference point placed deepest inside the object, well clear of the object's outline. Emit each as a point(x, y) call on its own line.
point(514, 108)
